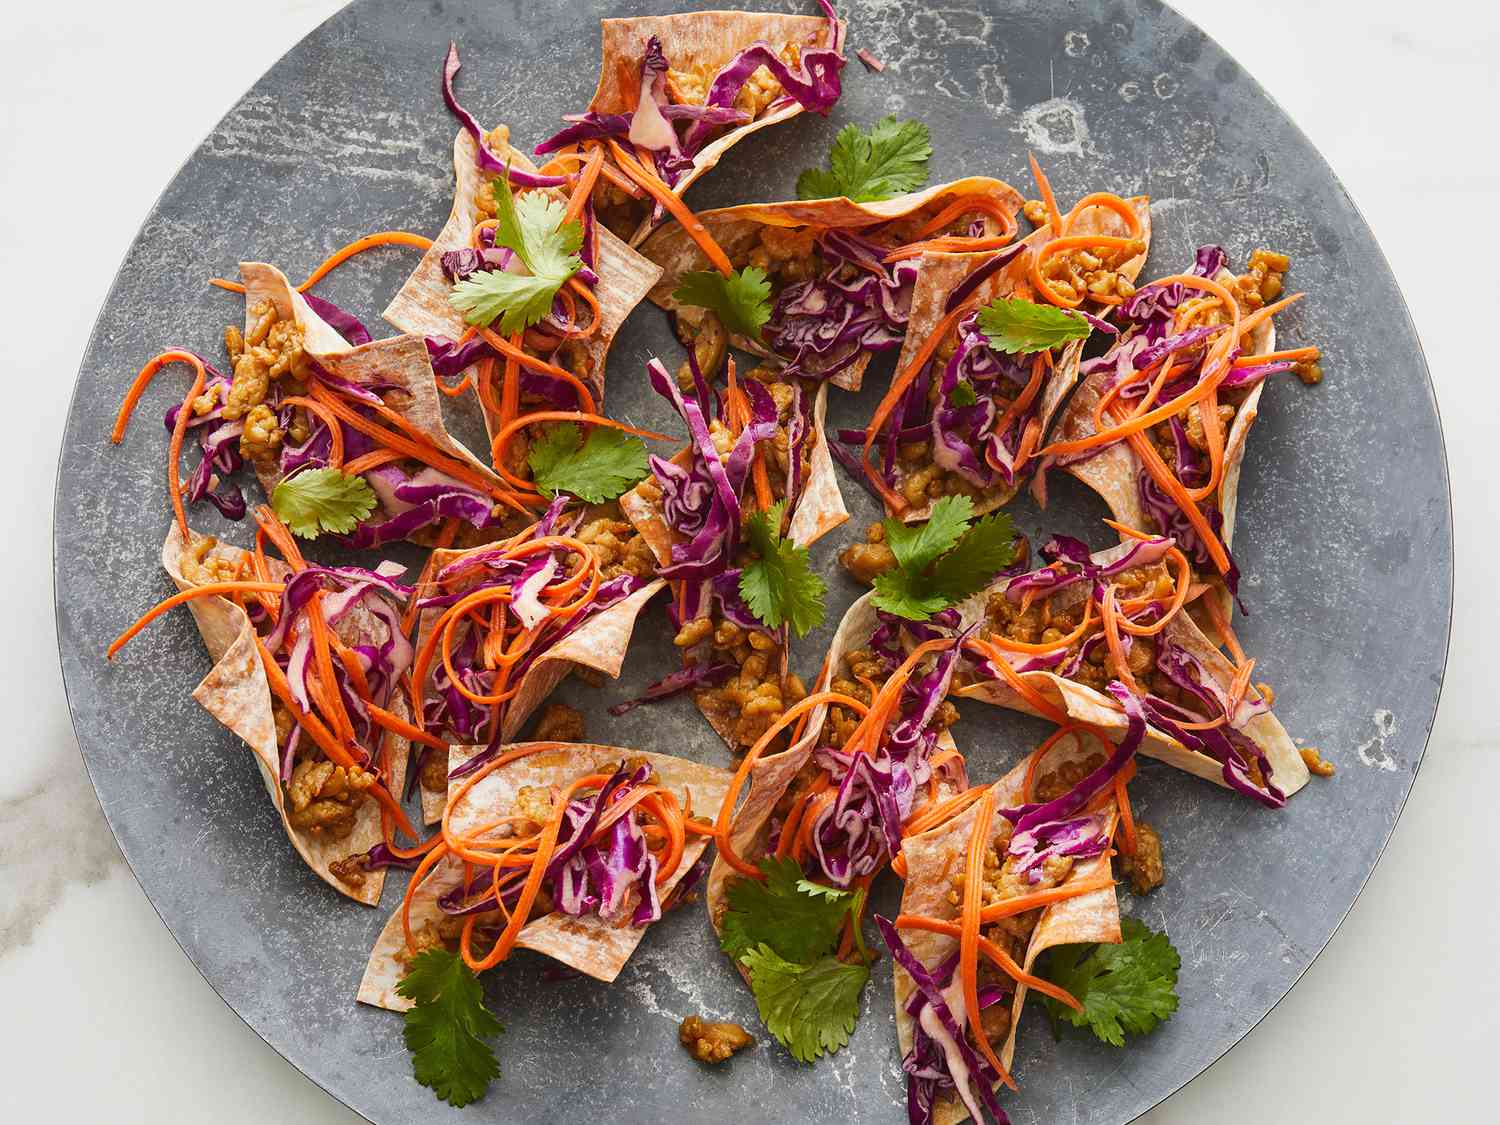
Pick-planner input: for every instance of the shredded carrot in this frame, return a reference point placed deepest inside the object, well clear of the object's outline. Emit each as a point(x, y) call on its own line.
point(1049, 201)
point(1010, 907)
point(673, 203)
point(208, 589)
point(995, 953)
point(1127, 817)
point(904, 379)
point(343, 254)
point(179, 427)
point(515, 352)
point(335, 431)
point(968, 932)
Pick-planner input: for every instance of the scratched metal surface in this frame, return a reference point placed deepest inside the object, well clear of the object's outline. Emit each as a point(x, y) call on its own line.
point(1344, 536)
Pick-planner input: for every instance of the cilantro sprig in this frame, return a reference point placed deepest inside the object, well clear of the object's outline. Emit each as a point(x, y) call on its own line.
point(594, 469)
point(447, 1027)
point(780, 585)
point(1125, 988)
point(863, 166)
point(810, 1009)
point(943, 561)
point(533, 227)
point(318, 500)
point(1018, 326)
point(783, 929)
point(742, 300)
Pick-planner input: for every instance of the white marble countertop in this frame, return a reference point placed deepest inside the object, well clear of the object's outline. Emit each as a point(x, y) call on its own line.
point(106, 1019)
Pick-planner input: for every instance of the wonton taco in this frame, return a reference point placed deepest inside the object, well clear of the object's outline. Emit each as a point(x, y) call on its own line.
point(1086, 637)
point(1019, 867)
point(757, 446)
point(1159, 426)
point(615, 845)
point(306, 664)
point(841, 273)
point(871, 759)
point(301, 398)
point(991, 351)
point(683, 89)
point(614, 276)
point(574, 589)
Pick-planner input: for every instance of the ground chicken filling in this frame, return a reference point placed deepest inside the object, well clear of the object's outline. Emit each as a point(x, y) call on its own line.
point(1143, 868)
point(271, 352)
point(618, 548)
point(867, 561)
point(919, 478)
point(753, 697)
point(1261, 284)
point(712, 1042)
point(788, 255)
point(1048, 620)
point(690, 86)
point(857, 671)
point(1085, 272)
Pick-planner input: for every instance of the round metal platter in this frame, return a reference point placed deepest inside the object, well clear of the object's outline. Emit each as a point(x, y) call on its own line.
point(1344, 536)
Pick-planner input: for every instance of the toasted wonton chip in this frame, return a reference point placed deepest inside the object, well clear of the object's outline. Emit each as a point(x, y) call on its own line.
point(1085, 705)
point(422, 307)
point(1114, 471)
point(587, 943)
point(599, 644)
point(236, 692)
point(940, 274)
point(696, 46)
point(934, 856)
point(398, 369)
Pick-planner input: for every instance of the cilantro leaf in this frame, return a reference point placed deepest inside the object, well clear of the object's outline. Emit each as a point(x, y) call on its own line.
point(1130, 987)
point(600, 467)
point(962, 395)
point(1016, 325)
point(899, 592)
point(780, 586)
point(917, 547)
point(794, 917)
point(888, 160)
point(533, 227)
point(987, 548)
point(447, 1027)
point(742, 300)
point(318, 500)
point(517, 300)
point(547, 247)
point(943, 561)
point(810, 1009)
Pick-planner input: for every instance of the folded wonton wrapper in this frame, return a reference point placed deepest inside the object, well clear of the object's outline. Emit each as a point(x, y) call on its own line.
point(599, 643)
point(398, 364)
point(587, 944)
point(1085, 705)
point(737, 230)
point(932, 859)
point(421, 305)
point(701, 43)
point(236, 693)
point(819, 510)
point(772, 774)
point(940, 274)
point(1113, 472)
